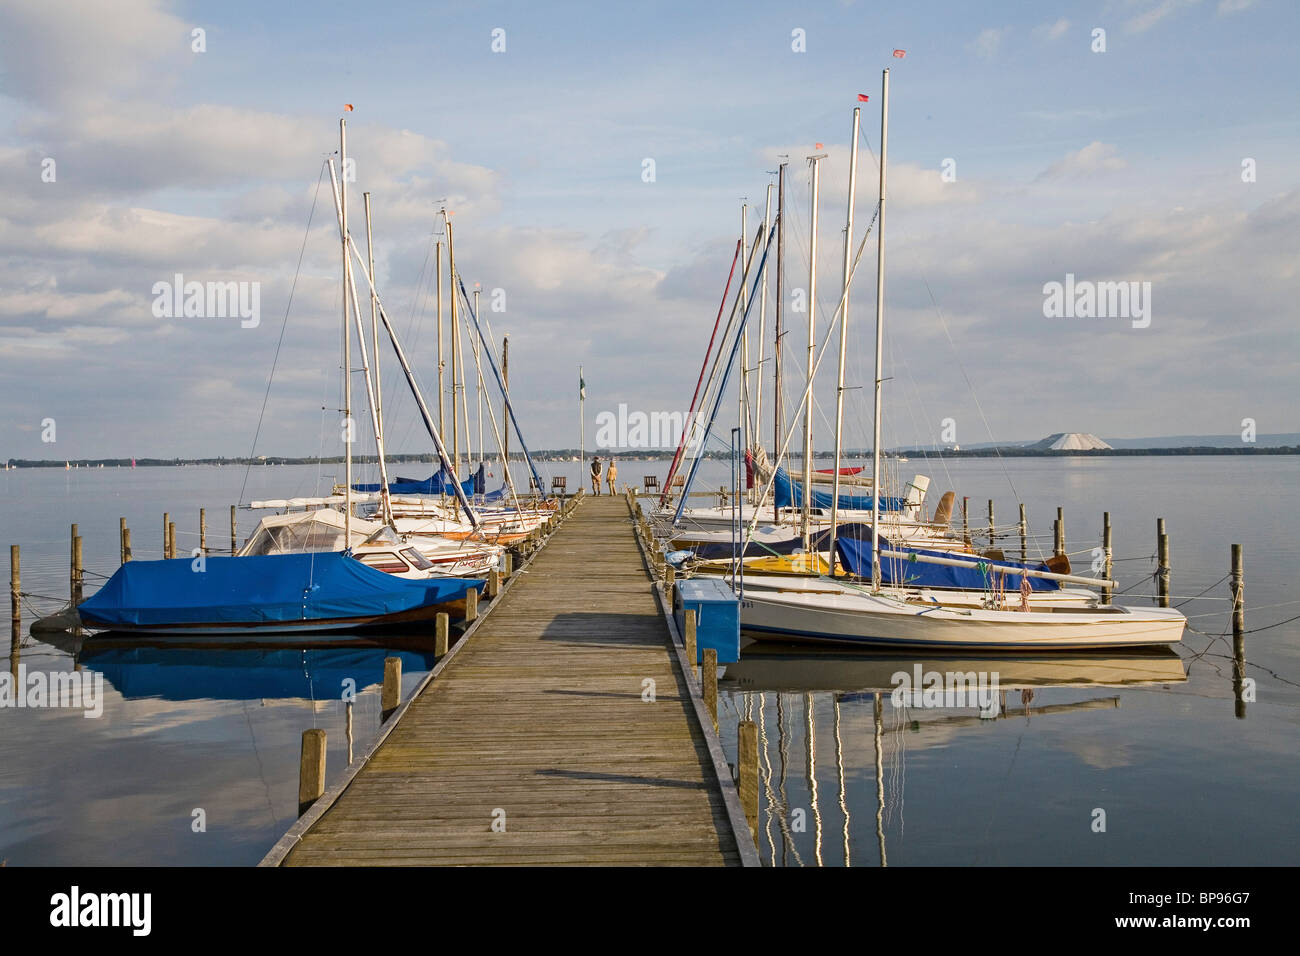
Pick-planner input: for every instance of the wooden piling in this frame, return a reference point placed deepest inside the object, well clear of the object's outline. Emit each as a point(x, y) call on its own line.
point(471, 604)
point(311, 769)
point(121, 534)
point(747, 772)
point(203, 531)
point(15, 585)
point(493, 584)
point(1024, 536)
point(171, 539)
point(507, 564)
point(1162, 563)
point(72, 563)
point(391, 694)
point(1106, 555)
point(992, 543)
point(233, 539)
point(1237, 584)
point(126, 545)
point(166, 521)
point(670, 582)
point(709, 683)
point(965, 519)
point(442, 631)
point(692, 654)
point(78, 573)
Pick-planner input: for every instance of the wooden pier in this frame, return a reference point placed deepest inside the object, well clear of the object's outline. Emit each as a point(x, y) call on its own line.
point(561, 730)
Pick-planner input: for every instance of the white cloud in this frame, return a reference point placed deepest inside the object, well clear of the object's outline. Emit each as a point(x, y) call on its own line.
point(1234, 6)
point(1094, 159)
point(1153, 14)
point(1052, 31)
point(986, 45)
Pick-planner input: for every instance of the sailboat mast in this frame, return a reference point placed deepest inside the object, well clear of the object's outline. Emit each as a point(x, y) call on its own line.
point(756, 438)
point(744, 342)
point(385, 508)
point(778, 409)
point(815, 162)
point(455, 342)
point(347, 338)
point(478, 387)
point(880, 330)
point(442, 424)
point(844, 331)
point(505, 374)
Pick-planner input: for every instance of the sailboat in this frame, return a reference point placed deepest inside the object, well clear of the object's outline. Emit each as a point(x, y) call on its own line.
point(860, 607)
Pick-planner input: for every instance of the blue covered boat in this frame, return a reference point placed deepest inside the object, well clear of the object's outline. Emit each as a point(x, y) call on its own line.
point(268, 594)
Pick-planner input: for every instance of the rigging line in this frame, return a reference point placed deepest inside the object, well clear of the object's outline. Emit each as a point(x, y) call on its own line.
point(283, 325)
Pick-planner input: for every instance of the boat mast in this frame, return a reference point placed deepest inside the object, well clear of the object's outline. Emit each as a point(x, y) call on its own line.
point(880, 329)
point(815, 162)
point(347, 337)
point(385, 507)
point(744, 343)
point(478, 387)
point(442, 424)
point(505, 374)
point(756, 438)
point(844, 330)
point(778, 411)
point(455, 342)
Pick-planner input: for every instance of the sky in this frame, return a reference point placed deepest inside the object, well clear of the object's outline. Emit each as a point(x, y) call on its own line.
point(133, 149)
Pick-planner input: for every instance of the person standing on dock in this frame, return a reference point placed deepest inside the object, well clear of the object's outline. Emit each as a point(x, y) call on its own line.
point(595, 476)
point(611, 475)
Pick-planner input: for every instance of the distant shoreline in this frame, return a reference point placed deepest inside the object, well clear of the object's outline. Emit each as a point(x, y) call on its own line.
point(652, 454)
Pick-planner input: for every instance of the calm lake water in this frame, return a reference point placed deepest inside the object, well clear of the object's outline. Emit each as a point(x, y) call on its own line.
point(1184, 773)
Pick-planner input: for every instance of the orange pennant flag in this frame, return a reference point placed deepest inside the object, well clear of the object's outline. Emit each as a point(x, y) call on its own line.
point(348, 107)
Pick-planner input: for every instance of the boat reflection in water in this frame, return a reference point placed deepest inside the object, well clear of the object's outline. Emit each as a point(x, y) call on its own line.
point(791, 687)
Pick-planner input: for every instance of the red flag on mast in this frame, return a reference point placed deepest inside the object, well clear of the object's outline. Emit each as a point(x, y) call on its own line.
point(900, 53)
point(862, 97)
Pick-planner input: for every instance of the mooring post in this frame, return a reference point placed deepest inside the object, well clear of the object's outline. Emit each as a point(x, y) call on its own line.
point(692, 654)
point(1024, 536)
point(670, 581)
point(72, 564)
point(311, 769)
point(1237, 579)
point(203, 531)
point(1162, 563)
point(709, 683)
point(171, 539)
point(15, 586)
point(507, 564)
point(471, 604)
point(1059, 528)
point(493, 584)
point(442, 631)
point(232, 530)
point(126, 545)
point(391, 695)
point(166, 521)
point(747, 772)
point(1106, 555)
point(121, 534)
point(965, 519)
point(78, 575)
point(991, 543)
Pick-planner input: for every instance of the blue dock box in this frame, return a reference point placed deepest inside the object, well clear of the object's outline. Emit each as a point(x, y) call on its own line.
point(717, 616)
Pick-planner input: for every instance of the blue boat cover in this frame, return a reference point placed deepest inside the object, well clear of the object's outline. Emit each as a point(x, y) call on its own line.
point(436, 484)
point(789, 494)
point(854, 546)
point(319, 586)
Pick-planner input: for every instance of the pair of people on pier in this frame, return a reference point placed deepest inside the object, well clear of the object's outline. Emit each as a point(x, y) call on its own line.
point(610, 476)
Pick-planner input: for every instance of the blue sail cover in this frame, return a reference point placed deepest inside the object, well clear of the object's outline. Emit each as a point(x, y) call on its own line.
point(789, 494)
point(437, 484)
point(266, 589)
point(854, 546)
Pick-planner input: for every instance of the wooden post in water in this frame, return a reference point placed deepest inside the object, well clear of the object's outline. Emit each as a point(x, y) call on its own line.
point(471, 604)
point(171, 539)
point(442, 630)
point(121, 534)
point(1024, 536)
point(709, 683)
point(1106, 554)
point(15, 586)
point(965, 520)
point(203, 531)
point(233, 545)
point(692, 654)
point(992, 545)
point(1058, 547)
point(1162, 563)
point(747, 773)
point(72, 564)
point(391, 695)
point(166, 521)
point(126, 545)
point(78, 574)
point(1237, 586)
point(507, 564)
point(311, 769)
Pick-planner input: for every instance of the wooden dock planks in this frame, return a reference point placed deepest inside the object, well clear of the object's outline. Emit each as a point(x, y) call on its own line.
point(539, 723)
